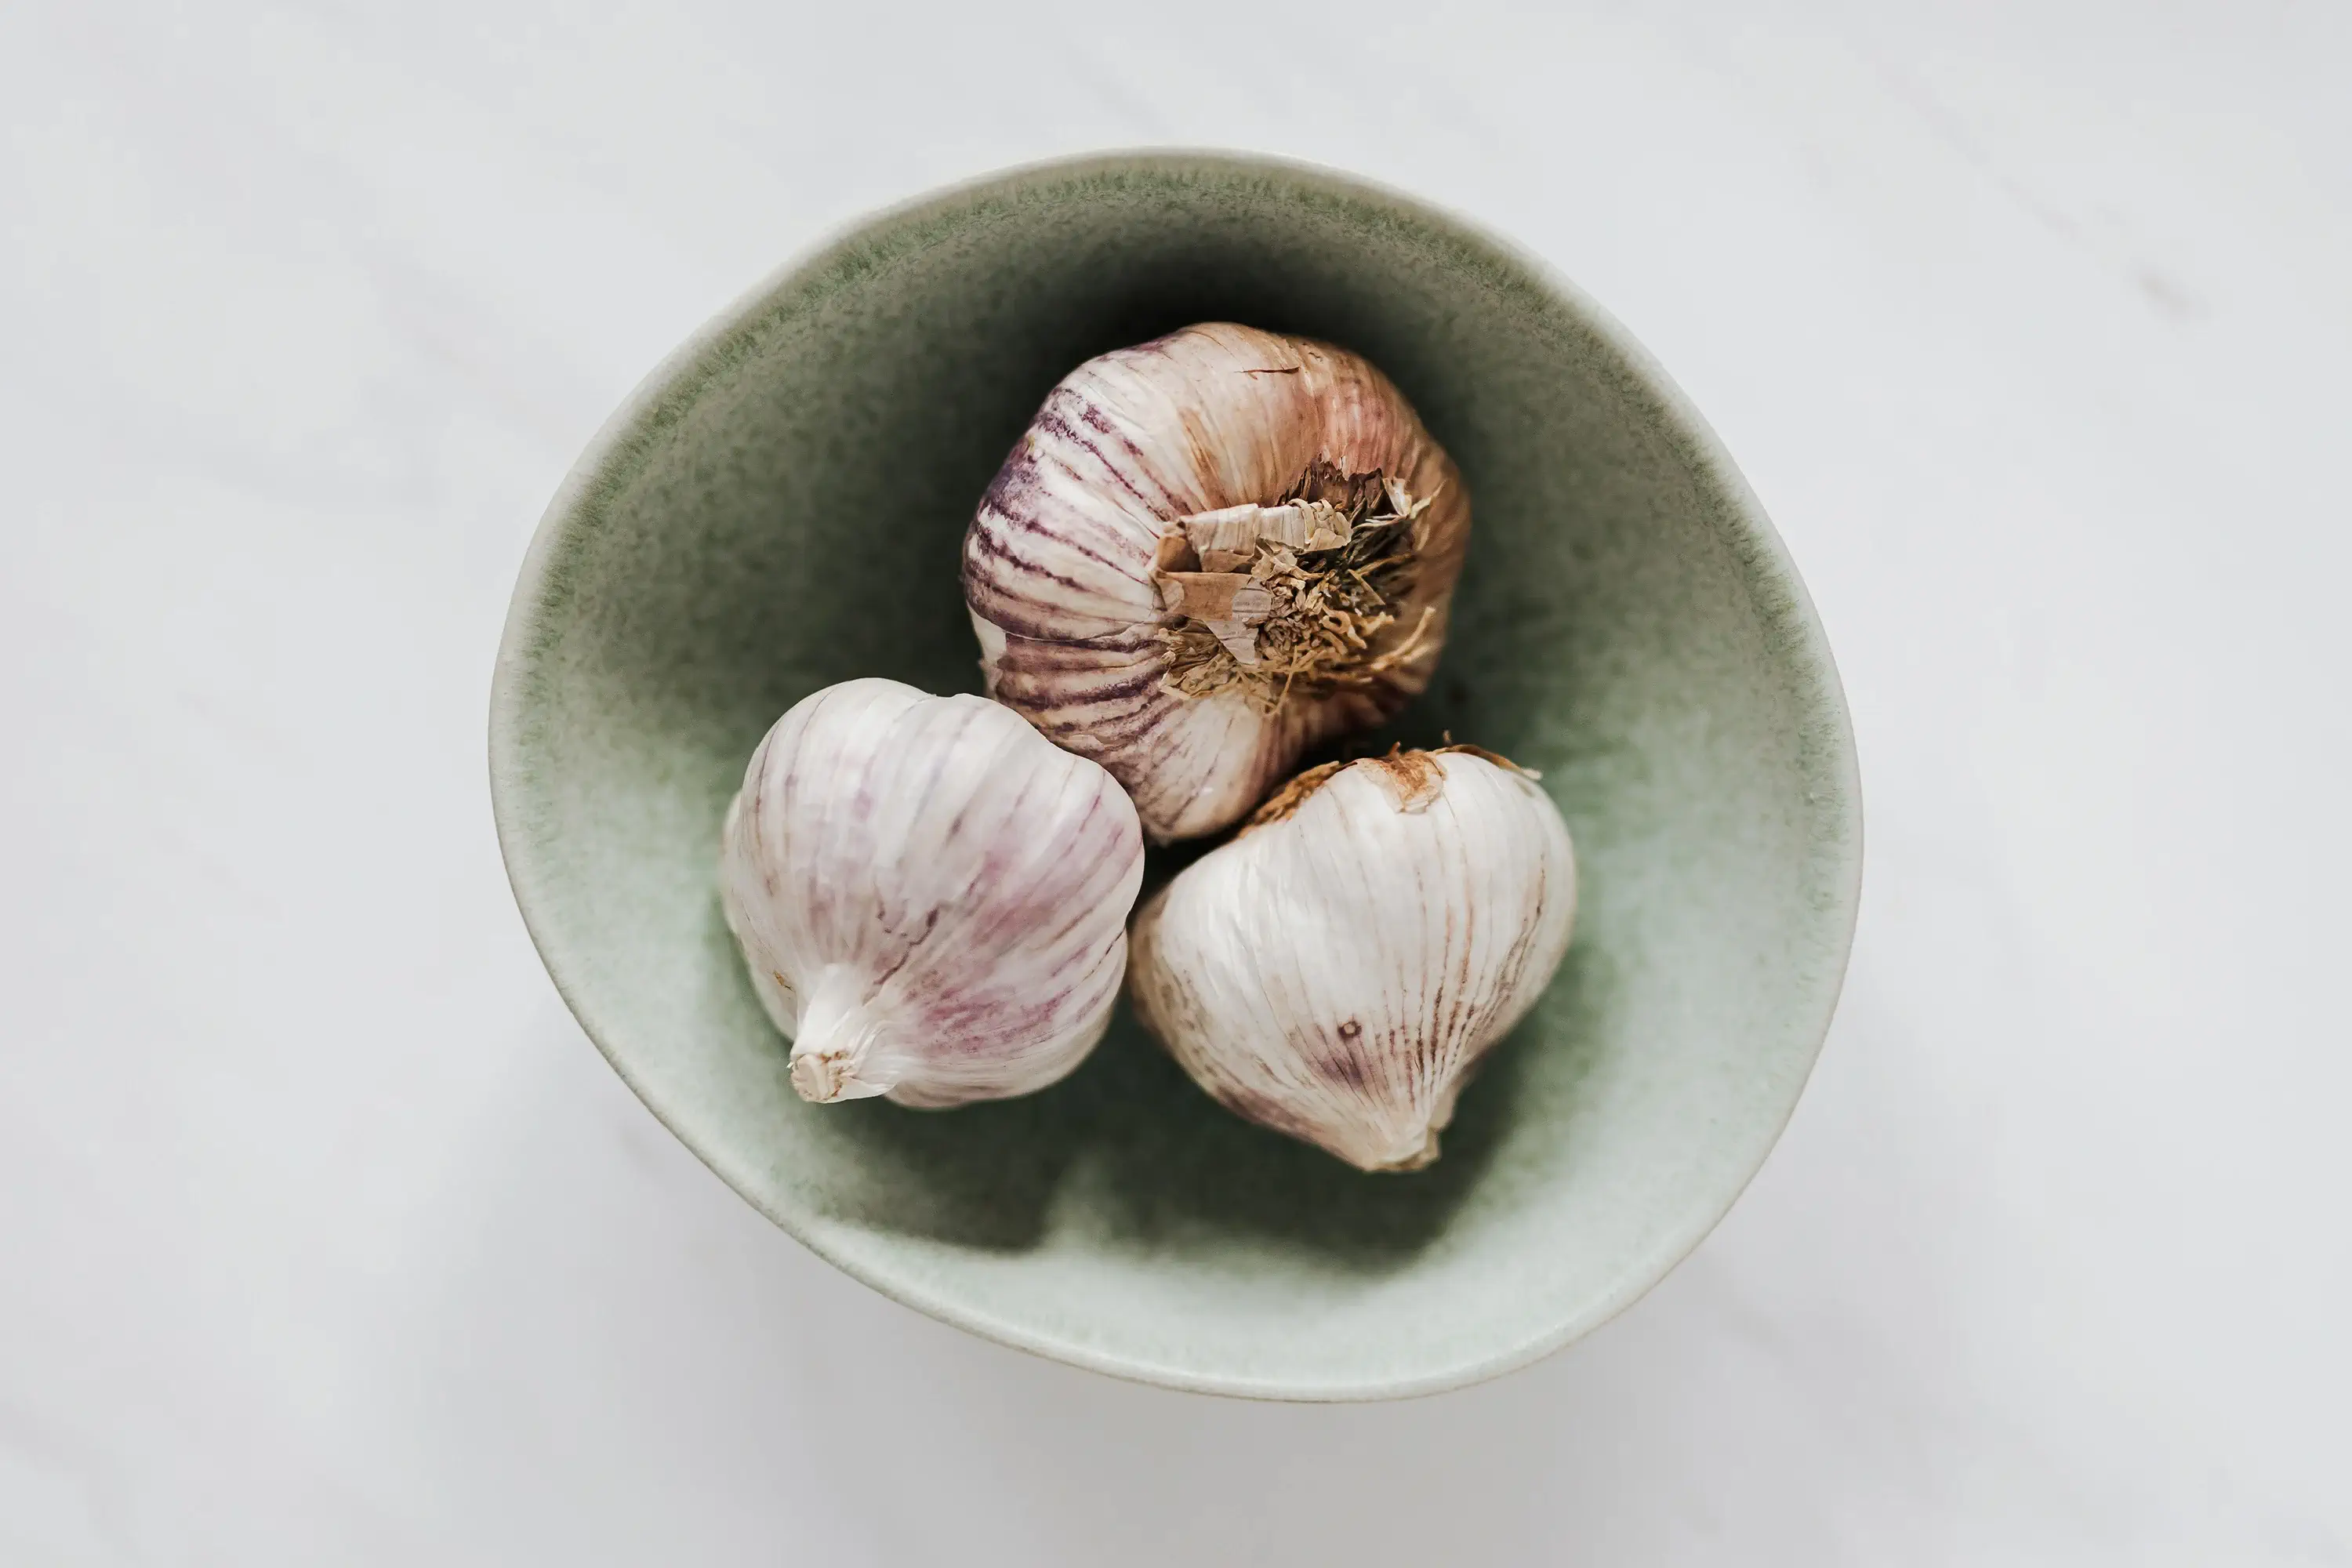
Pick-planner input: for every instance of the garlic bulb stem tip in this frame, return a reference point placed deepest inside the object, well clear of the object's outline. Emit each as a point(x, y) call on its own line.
point(834, 1054)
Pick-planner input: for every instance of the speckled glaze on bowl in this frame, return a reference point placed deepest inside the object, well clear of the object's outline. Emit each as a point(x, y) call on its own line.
point(780, 506)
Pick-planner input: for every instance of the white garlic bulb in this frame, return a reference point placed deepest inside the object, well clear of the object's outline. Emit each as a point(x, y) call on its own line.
point(1337, 970)
point(1209, 553)
point(931, 900)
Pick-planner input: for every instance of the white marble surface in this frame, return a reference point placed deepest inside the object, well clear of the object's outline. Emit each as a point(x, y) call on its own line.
point(328, 1240)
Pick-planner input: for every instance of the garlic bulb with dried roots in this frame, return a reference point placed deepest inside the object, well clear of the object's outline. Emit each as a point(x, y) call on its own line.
point(1337, 970)
point(1209, 553)
point(931, 900)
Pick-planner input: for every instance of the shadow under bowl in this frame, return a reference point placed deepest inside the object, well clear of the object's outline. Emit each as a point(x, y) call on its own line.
point(780, 506)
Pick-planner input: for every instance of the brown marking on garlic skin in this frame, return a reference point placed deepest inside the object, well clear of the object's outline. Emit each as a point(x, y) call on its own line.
point(1205, 595)
point(1287, 800)
point(1483, 755)
point(1411, 780)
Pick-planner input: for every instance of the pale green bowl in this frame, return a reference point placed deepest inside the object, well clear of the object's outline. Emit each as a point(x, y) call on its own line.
point(781, 507)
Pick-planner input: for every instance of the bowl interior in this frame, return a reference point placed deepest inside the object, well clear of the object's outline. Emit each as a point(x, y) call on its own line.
point(781, 507)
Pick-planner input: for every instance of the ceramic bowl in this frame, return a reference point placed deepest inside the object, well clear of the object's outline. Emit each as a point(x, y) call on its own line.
point(780, 506)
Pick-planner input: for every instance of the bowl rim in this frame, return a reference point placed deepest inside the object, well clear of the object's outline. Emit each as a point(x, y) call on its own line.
point(676, 381)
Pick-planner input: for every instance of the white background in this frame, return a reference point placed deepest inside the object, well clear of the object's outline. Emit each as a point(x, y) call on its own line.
point(326, 1238)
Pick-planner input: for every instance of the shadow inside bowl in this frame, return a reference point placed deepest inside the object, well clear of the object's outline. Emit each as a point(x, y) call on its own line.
point(1173, 1165)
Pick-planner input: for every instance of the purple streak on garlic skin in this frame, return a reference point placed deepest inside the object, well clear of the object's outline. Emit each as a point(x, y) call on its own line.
point(930, 900)
point(1059, 562)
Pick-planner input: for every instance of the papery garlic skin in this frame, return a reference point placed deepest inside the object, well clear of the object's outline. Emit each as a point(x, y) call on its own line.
point(930, 898)
point(1336, 971)
point(1120, 525)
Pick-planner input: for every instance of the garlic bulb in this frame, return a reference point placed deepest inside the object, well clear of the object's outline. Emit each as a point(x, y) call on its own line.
point(1337, 970)
point(1209, 553)
point(931, 900)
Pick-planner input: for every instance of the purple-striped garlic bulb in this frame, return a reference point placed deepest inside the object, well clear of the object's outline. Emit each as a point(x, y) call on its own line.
point(1209, 553)
point(1336, 972)
point(930, 900)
